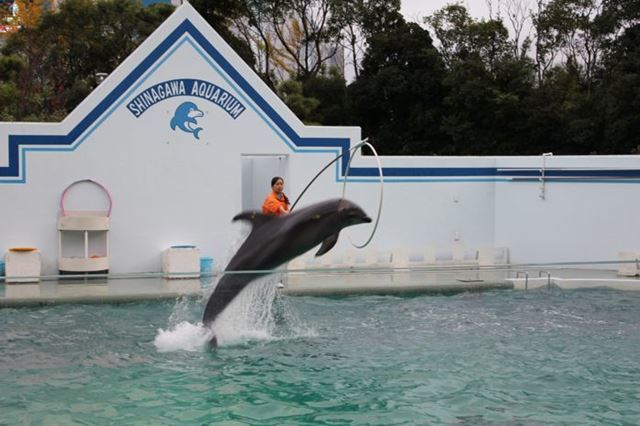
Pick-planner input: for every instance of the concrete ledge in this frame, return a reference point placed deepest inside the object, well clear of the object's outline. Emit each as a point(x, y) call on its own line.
point(627, 284)
point(102, 291)
point(93, 300)
point(345, 283)
point(329, 282)
point(398, 289)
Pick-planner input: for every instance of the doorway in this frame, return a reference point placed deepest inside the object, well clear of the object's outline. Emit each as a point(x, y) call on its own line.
point(257, 171)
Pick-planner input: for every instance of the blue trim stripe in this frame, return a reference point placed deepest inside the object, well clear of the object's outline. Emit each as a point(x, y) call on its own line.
point(18, 145)
point(495, 172)
point(573, 173)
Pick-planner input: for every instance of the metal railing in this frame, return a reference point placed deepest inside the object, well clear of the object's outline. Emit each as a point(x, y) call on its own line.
point(520, 269)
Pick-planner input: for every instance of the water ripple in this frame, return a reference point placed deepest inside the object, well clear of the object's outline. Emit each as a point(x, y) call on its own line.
point(547, 357)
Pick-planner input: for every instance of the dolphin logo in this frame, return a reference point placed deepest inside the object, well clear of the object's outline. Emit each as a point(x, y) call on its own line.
point(185, 118)
point(275, 240)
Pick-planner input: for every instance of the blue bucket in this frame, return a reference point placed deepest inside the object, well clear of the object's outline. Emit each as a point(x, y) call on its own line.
point(206, 265)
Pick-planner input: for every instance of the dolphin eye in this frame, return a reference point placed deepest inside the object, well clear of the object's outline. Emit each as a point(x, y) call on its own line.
point(315, 217)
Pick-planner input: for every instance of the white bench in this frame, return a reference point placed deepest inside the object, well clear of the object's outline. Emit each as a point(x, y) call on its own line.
point(181, 262)
point(629, 269)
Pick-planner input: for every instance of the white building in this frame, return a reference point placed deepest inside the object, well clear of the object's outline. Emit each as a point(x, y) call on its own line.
point(180, 180)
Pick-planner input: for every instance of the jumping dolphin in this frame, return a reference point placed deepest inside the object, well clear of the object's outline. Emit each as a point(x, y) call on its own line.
point(275, 240)
point(185, 118)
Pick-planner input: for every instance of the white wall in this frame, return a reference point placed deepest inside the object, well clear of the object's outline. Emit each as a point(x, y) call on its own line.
point(576, 221)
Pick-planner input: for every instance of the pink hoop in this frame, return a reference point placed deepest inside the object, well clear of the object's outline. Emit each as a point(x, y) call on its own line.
point(64, 195)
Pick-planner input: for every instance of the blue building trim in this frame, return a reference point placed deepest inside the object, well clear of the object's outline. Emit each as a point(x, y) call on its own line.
point(24, 143)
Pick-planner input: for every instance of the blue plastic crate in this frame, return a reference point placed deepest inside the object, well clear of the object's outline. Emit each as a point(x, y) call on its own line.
point(206, 265)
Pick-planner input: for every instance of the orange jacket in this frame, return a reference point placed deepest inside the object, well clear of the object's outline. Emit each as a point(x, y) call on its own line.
point(272, 204)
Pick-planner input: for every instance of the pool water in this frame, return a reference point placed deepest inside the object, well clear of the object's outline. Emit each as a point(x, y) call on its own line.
point(537, 357)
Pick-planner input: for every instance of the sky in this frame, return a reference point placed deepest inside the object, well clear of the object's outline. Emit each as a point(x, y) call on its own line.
point(415, 10)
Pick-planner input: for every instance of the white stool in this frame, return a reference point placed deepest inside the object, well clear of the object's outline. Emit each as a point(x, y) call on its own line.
point(22, 265)
point(629, 269)
point(181, 262)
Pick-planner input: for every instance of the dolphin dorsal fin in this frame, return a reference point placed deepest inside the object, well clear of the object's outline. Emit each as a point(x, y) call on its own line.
point(256, 219)
point(328, 244)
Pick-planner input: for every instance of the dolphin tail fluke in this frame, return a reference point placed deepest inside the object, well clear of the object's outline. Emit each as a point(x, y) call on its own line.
point(196, 132)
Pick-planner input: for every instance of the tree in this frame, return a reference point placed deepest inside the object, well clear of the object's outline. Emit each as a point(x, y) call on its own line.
point(486, 83)
point(349, 16)
point(573, 27)
point(462, 38)
point(620, 94)
point(302, 106)
point(547, 44)
point(360, 19)
point(62, 54)
point(254, 27)
point(397, 97)
point(331, 92)
point(291, 39)
point(307, 35)
point(518, 15)
point(10, 68)
point(29, 12)
point(221, 14)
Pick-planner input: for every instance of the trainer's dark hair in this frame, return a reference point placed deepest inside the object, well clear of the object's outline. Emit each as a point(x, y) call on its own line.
point(273, 182)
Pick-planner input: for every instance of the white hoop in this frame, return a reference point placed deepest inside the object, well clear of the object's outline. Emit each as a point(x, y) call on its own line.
point(344, 188)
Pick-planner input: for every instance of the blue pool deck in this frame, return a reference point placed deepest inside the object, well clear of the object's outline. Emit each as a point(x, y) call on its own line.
point(321, 282)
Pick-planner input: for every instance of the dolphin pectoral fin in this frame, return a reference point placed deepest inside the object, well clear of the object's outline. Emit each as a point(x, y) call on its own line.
point(328, 244)
point(173, 123)
point(196, 132)
point(257, 219)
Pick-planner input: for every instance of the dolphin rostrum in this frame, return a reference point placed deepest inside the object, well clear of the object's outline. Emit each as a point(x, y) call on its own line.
point(275, 240)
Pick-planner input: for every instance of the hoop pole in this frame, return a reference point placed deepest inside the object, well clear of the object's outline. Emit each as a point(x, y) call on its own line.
point(325, 168)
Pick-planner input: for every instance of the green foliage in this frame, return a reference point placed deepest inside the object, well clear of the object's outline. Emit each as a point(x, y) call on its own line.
point(220, 14)
point(53, 66)
point(485, 85)
point(398, 95)
point(620, 95)
point(331, 92)
point(317, 100)
point(303, 107)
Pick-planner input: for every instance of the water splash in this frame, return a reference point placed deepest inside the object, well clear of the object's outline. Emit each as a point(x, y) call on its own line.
point(185, 331)
point(185, 309)
point(183, 336)
point(258, 313)
point(243, 231)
